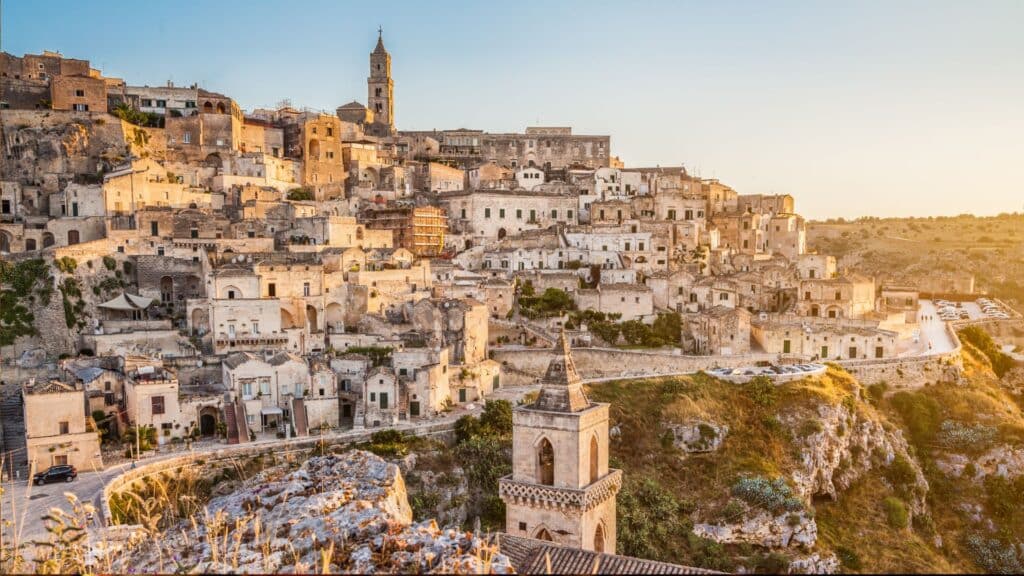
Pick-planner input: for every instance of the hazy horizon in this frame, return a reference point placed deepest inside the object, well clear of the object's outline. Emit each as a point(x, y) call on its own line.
point(866, 109)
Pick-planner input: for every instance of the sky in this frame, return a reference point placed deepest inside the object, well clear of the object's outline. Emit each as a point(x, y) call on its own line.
point(882, 108)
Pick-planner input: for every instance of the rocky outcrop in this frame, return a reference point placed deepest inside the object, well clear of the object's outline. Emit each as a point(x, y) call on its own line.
point(698, 435)
point(792, 529)
point(815, 564)
point(1004, 460)
point(335, 513)
point(838, 445)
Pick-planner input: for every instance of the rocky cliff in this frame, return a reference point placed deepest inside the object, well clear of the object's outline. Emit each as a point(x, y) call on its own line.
point(346, 513)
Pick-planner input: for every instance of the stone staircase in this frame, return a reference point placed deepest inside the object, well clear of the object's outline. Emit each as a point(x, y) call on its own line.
point(299, 419)
point(12, 417)
point(229, 420)
point(241, 422)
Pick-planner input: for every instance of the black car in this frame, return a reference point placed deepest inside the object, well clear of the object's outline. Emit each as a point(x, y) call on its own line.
point(56, 474)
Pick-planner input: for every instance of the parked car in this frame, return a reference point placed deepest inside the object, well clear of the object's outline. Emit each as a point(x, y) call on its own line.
point(60, 473)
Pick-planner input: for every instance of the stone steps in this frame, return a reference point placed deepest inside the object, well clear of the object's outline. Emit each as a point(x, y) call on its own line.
point(13, 418)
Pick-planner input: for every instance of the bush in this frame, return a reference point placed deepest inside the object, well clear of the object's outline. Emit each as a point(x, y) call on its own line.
point(650, 518)
point(109, 263)
point(895, 512)
point(849, 558)
point(300, 194)
point(994, 556)
point(761, 391)
point(958, 436)
point(775, 496)
point(1001, 363)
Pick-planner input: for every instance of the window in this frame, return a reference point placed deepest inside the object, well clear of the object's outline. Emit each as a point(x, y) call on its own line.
point(187, 138)
point(190, 104)
point(158, 404)
point(839, 295)
point(146, 102)
point(272, 290)
point(383, 400)
point(81, 107)
point(487, 212)
point(501, 212)
point(723, 296)
point(330, 132)
point(554, 214)
point(231, 294)
point(463, 213)
point(569, 214)
point(519, 214)
point(64, 427)
point(161, 103)
point(305, 288)
point(785, 346)
point(80, 93)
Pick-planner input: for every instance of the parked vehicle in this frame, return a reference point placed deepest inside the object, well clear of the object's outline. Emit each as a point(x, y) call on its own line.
point(59, 473)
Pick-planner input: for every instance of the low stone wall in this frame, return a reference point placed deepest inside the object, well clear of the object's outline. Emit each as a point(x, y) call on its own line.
point(528, 364)
point(910, 372)
point(278, 447)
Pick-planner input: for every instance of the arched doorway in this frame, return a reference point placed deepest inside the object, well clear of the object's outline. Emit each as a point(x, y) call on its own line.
point(199, 322)
point(311, 320)
point(213, 161)
point(599, 539)
point(287, 321)
point(193, 286)
point(545, 463)
point(48, 239)
point(594, 459)
point(334, 318)
point(220, 108)
point(166, 289)
point(314, 150)
point(208, 107)
point(501, 233)
point(73, 237)
point(543, 534)
point(5, 241)
point(208, 421)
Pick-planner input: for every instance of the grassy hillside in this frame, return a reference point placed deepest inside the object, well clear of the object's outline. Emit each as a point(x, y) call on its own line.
point(870, 525)
point(901, 249)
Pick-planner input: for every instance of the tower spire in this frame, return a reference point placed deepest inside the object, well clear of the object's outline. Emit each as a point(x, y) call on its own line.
point(561, 387)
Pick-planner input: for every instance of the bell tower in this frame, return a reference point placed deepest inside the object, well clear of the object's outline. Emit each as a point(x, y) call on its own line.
point(561, 488)
point(381, 90)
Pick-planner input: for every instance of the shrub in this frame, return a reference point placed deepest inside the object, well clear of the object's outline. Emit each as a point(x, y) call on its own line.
point(773, 563)
point(958, 436)
point(876, 392)
point(849, 558)
point(895, 512)
point(109, 263)
point(775, 496)
point(810, 427)
point(761, 391)
point(1001, 363)
point(994, 556)
point(300, 194)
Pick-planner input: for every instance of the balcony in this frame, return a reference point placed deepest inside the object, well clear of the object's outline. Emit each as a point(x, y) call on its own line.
point(528, 493)
point(250, 339)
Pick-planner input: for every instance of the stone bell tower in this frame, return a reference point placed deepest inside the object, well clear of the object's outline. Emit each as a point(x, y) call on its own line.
point(561, 488)
point(380, 88)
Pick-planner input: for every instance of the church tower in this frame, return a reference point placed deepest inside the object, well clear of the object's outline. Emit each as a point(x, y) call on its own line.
point(381, 95)
point(561, 488)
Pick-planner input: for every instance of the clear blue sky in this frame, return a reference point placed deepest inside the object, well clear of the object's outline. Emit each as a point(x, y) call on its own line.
point(856, 108)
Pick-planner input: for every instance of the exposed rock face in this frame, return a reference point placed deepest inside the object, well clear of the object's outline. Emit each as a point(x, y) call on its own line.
point(815, 564)
point(1003, 460)
point(698, 436)
point(790, 529)
point(338, 513)
point(841, 446)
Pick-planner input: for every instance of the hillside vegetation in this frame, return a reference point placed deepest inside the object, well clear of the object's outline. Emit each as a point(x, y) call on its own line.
point(758, 476)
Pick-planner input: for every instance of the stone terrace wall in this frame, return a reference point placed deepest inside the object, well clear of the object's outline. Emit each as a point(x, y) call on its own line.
point(523, 366)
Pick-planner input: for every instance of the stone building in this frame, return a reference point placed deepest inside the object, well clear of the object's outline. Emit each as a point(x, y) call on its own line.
point(380, 96)
point(481, 216)
point(823, 340)
point(721, 331)
point(848, 296)
point(419, 229)
point(78, 93)
point(545, 147)
point(57, 428)
point(561, 488)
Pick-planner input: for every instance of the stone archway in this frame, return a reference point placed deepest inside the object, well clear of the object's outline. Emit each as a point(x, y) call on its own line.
point(599, 538)
point(208, 421)
point(311, 320)
point(545, 463)
point(543, 534)
point(166, 289)
point(48, 239)
point(287, 320)
point(5, 241)
point(502, 233)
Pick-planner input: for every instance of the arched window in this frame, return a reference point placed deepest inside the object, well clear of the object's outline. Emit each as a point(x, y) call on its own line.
point(593, 459)
point(543, 534)
point(545, 463)
point(599, 539)
point(208, 107)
